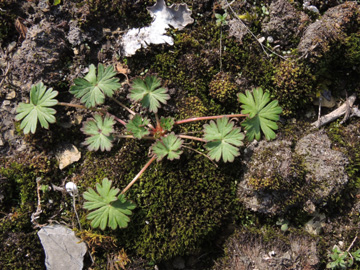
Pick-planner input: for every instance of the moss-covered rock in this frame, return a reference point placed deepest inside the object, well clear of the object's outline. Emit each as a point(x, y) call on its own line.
point(281, 176)
point(294, 86)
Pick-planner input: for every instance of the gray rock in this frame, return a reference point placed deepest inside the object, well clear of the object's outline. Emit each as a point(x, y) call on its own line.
point(278, 178)
point(63, 250)
point(330, 28)
point(285, 22)
point(325, 167)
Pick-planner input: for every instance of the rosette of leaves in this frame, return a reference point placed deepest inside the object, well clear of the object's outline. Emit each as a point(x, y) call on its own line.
point(262, 114)
point(112, 210)
point(223, 139)
point(93, 88)
point(137, 126)
point(169, 146)
point(148, 93)
point(99, 129)
point(39, 108)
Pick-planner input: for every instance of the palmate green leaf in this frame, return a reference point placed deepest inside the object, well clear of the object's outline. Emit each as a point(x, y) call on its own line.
point(112, 210)
point(167, 123)
point(168, 146)
point(138, 126)
point(99, 129)
point(262, 114)
point(93, 88)
point(223, 140)
point(148, 93)
point(41, 99)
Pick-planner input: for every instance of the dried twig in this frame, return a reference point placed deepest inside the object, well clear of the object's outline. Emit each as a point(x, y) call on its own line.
point(338, 112)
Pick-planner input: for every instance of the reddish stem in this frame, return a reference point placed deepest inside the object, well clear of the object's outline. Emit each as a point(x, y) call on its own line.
point(191, 138)
point(139, 174)
point(208, 118)
point(71, 105)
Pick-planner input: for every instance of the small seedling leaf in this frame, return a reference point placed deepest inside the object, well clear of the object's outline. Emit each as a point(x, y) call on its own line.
point(99, 129)
point(137, 126)
point(168, 146)
point(39, 108)
point(112, 210)
point(167, 123)
point(262, 114)
point(148, 93)
point(223, 139)
point(93, 88)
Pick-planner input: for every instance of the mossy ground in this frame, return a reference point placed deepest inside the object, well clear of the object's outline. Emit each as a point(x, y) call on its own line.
point(182, 206)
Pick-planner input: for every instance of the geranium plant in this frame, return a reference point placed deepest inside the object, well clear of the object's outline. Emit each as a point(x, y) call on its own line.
point(222, 138)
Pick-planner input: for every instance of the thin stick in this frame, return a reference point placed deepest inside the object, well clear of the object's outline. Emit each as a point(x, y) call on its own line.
point(207, 118)
point(123, 105)
point(139, 174)
point(352, 243)
point(191, 138)
point(201, 154)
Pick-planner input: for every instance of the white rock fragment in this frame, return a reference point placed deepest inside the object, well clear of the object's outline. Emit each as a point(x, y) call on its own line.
point(66, 155)
point(63, 250)
point(177, 16)
point(310, 7)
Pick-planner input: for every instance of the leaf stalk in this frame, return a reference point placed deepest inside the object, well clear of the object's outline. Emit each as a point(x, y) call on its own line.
point(139, 174)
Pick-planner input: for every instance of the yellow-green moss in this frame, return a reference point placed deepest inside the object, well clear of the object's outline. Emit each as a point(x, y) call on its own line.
point(294, 86)
point(222, 88)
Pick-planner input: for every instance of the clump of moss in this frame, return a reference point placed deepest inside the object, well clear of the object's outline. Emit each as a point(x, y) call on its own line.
point(191, 107)
point(183, 205)
point(180, 204)
point(19, 188)
point(222, 88)
point(293, 86)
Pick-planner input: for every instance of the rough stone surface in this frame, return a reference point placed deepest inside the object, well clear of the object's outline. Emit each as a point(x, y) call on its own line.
point(41, 55)
point(277, 161)
point(63, 250)
point(330, 28)
point(285, 22)
point(325, 166)
point(285, 178)
point(248, 250)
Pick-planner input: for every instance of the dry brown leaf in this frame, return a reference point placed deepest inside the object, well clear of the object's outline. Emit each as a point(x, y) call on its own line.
point(123, 69)
point(21, 28)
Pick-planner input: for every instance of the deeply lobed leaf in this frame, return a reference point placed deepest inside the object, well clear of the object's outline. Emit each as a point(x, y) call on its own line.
point(41, 99)
point(168, 146)
point(148, 93)
point(167, 123)
point(137, 126)
point(99, 129)
point(223, 140)
point(262, 114)
point(112, 210)
point(93, 88)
